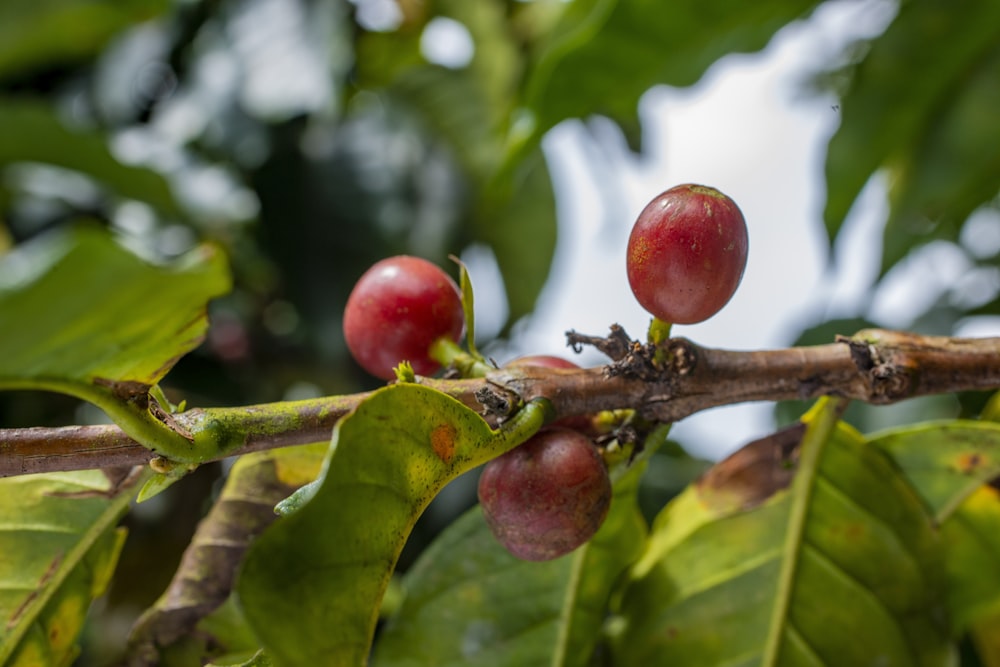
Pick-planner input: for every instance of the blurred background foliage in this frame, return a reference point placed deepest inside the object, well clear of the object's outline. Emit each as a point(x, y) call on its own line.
point(311, 138)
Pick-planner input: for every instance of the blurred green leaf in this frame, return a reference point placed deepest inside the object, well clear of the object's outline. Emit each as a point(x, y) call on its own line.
point(972, 540)
point(743, 569)
point(312, 584)
point(927, 114)
point(944, 461)
point(604, 54)
point(468, 601)
point(471, 109)
point(83, 316)
point(60, 546)
point(948, 463)
point(34, 34)
point(514, 208)
point(517, 217)
point(196, 614)
point(34, 133)
point(953, 168)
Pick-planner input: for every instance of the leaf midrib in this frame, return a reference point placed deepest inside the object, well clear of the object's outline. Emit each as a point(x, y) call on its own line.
point(813, 443)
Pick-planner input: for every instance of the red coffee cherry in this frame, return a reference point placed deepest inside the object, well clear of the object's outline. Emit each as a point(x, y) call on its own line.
point(396, 310)
point(547, 496)
point(687, 253)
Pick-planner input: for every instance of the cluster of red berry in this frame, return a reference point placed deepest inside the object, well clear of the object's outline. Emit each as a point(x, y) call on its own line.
point(686, 256)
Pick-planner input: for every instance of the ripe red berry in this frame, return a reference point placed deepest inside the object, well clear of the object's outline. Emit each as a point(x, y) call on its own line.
point(396, 310)
point(686, 254)
point(547, 496)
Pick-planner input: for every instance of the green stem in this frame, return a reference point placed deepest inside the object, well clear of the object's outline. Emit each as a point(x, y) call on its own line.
point(524, 424)
point(131, 413)
point(659, 333)
point(449, 353)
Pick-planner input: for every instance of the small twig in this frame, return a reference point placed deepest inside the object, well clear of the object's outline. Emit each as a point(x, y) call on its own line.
point(873, 366)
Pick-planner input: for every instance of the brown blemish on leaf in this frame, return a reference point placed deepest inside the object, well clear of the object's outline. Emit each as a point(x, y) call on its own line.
point(126, 390)
point(754, 473)
point(443, 441)
point(48, 574)
point(119, 479)
point(970, 462)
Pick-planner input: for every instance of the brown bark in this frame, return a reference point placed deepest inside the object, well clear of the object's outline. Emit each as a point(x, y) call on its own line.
point(682, 378)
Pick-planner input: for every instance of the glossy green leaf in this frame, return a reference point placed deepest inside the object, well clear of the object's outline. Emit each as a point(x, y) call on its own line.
point(33, 132)
point(60, 544)
point(312, 584)
point(58, 295)
point(836, 563)
point(605, 54)
point(944, 461)
point(80, 314)
point(921, 126)
point(34, 34)
point(468, 601)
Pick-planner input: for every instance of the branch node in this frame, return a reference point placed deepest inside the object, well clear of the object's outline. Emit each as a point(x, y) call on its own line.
point(615, 346)
point(889, 379)
point(497, 400)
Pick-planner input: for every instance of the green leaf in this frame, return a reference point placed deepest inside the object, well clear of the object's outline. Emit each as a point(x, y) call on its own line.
point(86, 317)
point(517, 217)
point(907, 104)
point(839, 568)
point(204, 580)
point(57, 31)
point(944, 461)
point(468, 601)
point(34, 133)
point(972, 540)
point(311, 585)
point(953, 169)
point(604, 54)
point(472, 110)
point(60, 545)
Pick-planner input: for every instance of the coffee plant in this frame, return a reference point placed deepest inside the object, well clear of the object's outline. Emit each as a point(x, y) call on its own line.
point(245, 416)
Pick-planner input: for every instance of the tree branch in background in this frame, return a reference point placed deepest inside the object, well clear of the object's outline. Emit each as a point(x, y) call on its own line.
point(875, 366)
point(207, 571)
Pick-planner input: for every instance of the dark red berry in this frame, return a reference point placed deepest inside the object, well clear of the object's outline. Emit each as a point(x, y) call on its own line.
point(547, 496)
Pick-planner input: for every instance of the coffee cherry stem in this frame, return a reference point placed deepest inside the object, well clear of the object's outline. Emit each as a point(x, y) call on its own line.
point(450, 354)
point(659, 333)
